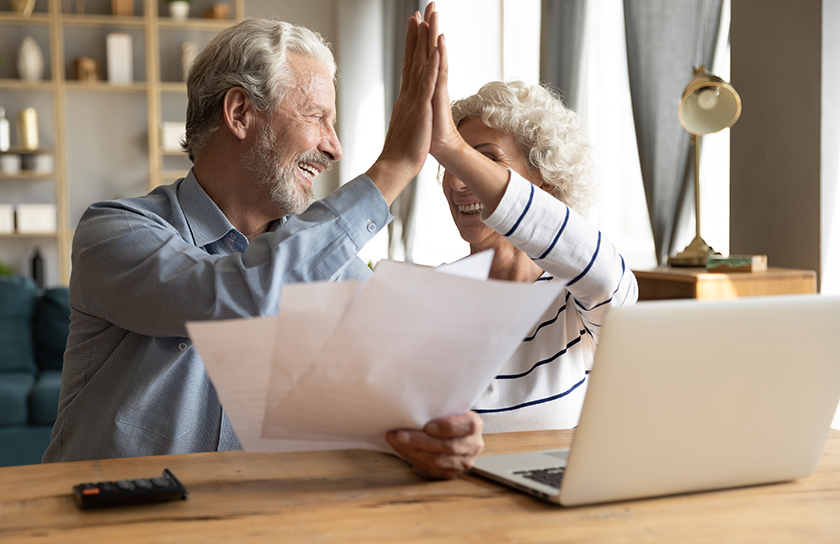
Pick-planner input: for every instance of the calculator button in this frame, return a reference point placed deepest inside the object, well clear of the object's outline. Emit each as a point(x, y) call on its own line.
point(125, 485)
point(160, 481)
point(144, 483)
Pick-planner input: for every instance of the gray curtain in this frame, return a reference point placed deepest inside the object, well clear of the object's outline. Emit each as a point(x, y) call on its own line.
point(666, 40)
point(396, 13)
point(561, 46)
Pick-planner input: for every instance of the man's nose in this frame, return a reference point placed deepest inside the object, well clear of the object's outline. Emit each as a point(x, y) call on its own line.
point(330, 145)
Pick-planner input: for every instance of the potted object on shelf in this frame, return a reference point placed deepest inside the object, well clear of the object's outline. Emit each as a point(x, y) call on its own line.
point(5, 134)
point(122, 8)
point(27, 129)
point(30, 60)
point(86, 69)
point(179, 9)
point(24, 7)
point(217, 11)
point(119, 54)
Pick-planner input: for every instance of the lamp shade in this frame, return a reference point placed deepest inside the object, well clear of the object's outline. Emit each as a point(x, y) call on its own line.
point(709, 104)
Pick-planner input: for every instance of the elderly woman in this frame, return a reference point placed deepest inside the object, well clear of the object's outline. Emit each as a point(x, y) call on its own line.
point(517, 179)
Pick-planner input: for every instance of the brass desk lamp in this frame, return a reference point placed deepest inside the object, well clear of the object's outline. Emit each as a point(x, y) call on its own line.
point(708, 105)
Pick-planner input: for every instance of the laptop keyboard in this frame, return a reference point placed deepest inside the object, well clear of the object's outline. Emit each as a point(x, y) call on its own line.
point(549, 476)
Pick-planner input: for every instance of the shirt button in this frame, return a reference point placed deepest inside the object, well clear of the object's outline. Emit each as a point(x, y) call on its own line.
point(371, 226)
point(232, 236)
point(182, 346)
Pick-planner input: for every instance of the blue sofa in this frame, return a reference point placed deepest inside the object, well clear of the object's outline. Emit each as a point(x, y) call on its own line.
point(34, 325)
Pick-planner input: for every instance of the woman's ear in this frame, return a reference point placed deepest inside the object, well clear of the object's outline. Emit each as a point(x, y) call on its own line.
point(239, 112)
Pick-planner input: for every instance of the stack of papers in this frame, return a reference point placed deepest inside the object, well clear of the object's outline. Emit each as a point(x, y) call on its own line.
point(343, 363)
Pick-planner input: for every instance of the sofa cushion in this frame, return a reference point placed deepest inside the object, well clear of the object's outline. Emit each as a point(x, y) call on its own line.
point(43, 401)
point(52, 324)
point(14, 397)
point(17, 304)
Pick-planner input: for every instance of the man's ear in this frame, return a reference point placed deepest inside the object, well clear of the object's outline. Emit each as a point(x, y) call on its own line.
point(239, 113)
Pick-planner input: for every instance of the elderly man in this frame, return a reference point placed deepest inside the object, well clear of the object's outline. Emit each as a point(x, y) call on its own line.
point(221, 243)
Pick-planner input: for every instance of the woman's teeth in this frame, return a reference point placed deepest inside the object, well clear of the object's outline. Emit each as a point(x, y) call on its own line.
point(471, 208)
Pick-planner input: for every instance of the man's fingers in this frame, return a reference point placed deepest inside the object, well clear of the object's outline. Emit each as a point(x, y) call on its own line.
point(420, 49)
point(410, 44)
point(404, 440)
point(433, 31)
point(455, 426)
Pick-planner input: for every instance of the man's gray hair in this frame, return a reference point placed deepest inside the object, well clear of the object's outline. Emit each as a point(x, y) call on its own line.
point(549, 135)
point(253, 55)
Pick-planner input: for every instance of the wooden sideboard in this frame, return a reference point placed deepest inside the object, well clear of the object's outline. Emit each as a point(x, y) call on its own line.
point(667, 283)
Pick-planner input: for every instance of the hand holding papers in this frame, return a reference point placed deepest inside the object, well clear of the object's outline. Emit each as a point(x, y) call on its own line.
point(343, 363)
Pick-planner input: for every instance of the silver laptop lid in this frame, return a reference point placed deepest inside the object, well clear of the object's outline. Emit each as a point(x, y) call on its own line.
point(690, 396)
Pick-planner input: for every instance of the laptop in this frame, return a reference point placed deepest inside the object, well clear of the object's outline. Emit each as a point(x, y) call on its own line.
point(688, 396)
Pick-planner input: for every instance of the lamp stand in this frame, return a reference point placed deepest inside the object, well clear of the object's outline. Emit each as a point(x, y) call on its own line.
point(698, 251)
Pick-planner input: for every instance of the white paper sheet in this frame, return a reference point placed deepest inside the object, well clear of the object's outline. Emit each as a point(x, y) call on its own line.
point(343, 363)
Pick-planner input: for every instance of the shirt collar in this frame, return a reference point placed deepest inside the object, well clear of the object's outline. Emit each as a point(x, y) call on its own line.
point(206, 221)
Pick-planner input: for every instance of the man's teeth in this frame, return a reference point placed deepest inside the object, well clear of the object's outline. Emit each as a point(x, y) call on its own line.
point(308, 169)
point(471, 208)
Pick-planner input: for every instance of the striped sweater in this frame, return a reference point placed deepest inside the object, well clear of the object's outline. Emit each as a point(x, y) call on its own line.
point(543, 384)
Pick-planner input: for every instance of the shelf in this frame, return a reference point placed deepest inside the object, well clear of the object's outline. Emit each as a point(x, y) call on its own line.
point(45, 85)
point(68, 19)
point(30, 235)
point(15, 150)
point(194, 23)
point(28, 175)
point(173, 175)
point(64, 36)
point(34, 19)
point(173, 87)
point(104, 86)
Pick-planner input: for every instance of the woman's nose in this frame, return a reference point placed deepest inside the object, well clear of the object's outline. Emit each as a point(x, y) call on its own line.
point(456, 184)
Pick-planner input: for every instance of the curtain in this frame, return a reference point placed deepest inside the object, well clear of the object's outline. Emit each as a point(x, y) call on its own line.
point(666, 40)
point(561, 47)
point(400, 230)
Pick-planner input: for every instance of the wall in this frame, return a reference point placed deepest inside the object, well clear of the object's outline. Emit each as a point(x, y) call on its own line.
point(830, 150)
point(775, 146)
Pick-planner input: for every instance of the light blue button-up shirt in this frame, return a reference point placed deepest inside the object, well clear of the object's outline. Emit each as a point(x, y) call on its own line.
point(133, 383)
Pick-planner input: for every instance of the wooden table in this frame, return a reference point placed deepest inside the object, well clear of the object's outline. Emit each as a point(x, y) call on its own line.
point(688, 282)
point(358, 496)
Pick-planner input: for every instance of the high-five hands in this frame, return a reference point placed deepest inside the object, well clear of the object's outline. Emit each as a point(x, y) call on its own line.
point(408, 141)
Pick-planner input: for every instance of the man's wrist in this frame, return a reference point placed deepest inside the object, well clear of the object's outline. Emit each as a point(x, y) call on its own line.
point(391, 176)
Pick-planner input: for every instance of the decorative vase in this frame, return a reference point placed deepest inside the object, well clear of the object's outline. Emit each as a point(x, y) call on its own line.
point(27, 129)
point(30, 63)
point(24, 7)
point(179, 9)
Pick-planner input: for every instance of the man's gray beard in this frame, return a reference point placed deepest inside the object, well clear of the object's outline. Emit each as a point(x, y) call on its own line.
point(263, 162)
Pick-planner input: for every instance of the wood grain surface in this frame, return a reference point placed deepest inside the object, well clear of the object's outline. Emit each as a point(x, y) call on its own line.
point(361, 496)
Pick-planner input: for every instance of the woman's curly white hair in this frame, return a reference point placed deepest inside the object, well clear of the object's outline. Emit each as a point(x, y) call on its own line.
point(549, 135)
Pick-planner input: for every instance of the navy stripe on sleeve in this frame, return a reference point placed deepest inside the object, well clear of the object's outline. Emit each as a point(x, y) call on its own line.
point(549, 322)
point(612, 296)
point(556, 236)
point(525, 211)
point(591, 261)
point(543, 362)
point(532, 402)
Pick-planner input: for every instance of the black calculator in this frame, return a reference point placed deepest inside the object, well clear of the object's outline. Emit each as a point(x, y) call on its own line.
point(165, 487)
